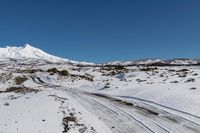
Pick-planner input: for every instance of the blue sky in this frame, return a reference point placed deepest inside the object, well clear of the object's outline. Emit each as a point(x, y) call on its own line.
point(104, 30)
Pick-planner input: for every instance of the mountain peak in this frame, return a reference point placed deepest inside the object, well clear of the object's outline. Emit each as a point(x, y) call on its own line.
point(27, 51)
point(28, 46)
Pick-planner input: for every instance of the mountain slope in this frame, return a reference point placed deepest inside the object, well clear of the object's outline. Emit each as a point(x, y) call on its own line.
point(30, 52)
point(27, 52)
point(131, 99)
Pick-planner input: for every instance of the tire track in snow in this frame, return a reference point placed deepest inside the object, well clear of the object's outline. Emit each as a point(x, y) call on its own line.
point(79, 94)
point(134, 118)
point(119, 120)
point(162, 129)
point(166, 121)
point(157, 104)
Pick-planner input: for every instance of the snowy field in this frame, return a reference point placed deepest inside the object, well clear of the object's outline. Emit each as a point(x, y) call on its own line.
point(38, 96)
point(99, 99)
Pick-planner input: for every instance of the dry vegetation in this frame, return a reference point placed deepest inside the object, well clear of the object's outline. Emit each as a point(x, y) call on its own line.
point(20, 80)
point(20, 90)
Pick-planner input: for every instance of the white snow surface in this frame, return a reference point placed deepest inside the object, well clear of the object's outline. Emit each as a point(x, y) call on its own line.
point(95, 99)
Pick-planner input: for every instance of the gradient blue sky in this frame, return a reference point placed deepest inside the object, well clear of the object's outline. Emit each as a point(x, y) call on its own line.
point(104, 30)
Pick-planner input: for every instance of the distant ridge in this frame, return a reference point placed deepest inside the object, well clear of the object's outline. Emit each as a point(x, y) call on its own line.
point(158, 62)
point(29, 52)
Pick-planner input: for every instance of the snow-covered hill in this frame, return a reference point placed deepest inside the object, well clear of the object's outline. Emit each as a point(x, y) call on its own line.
point(158, 62)
point(27, 52)
point(30, 52)
point(41, 96)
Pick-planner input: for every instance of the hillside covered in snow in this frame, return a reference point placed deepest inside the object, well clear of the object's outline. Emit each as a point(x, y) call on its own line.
point(42, 93)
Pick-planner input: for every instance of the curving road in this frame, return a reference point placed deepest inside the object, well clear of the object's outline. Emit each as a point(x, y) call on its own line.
point(124, 117)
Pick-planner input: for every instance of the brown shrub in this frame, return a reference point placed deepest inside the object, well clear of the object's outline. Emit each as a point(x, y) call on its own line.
point(64, 73)
point(20, 80)
point(52, 70)
point(20, 89)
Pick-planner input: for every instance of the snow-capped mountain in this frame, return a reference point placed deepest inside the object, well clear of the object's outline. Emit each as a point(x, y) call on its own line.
point(97, 99)
point(159, 62)
point(183, 61)
point(136, 62)
point(30, 52)
point(26, 52)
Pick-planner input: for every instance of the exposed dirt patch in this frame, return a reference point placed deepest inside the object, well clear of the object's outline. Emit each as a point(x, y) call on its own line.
point(174, 81)
point(147, 110)
point(66, 121)
point(143, 109)
point(20, 90)
point(20, 80)
point(190, 80)
point(147, 69)
point(80, 77)
point(4, 77)
point(182, 70)
point(113, 99)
